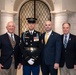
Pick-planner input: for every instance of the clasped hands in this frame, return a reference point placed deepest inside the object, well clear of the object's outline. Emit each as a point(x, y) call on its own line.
point(31, 61)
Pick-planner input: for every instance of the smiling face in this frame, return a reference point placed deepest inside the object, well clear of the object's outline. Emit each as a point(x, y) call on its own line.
point(10, 27)
point(31, 26)
point(48, 26)
point(66, 28)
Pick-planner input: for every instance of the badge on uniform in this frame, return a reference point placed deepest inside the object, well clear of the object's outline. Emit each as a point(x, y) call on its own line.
point(36, 38)
point(26, 37)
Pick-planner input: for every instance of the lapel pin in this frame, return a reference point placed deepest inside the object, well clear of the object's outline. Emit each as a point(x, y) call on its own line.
point(52, 34)
point(69, 38)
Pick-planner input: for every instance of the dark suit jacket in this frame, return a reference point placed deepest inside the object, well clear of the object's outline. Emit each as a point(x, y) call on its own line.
point(69, 53)
point(7, 51)
point(51, 52)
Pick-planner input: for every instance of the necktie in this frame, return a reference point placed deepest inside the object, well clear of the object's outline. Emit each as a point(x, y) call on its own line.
point(46, 37)
point(31, 33)
point(65, 41)
point(12, 37)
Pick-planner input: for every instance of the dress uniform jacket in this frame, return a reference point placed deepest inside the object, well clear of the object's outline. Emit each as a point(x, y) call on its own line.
point(31, 47)
point(7, 51)
point(68, 55)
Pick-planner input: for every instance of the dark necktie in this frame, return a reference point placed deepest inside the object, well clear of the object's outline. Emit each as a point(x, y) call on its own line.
point(65, 41)
point(31, 33)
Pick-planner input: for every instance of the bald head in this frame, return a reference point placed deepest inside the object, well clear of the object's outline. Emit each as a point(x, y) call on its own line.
point(48, 22)
point(10, 27)
point(48, 26)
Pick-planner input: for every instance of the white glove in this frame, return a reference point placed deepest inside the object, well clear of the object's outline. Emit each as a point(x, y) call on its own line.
point(31, 61)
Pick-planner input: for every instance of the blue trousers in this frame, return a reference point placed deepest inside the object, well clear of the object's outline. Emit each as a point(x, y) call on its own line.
point(28, 69)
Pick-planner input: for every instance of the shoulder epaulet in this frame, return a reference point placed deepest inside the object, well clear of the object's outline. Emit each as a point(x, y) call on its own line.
point(25, 32)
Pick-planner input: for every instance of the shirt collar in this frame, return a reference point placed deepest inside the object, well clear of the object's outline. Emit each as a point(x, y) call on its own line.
point(10, 34)
point(49, 32)
point(31, 31)
point(67, 34)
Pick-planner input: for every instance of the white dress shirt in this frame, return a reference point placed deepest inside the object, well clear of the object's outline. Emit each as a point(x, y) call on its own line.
point(12, 35)
point(49, 33)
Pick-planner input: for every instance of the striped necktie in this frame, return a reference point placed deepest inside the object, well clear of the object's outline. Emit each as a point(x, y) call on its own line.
point(65, 41)
point(12, 37)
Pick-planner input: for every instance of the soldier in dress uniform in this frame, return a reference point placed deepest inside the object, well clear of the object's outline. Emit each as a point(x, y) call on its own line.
point(31, 48)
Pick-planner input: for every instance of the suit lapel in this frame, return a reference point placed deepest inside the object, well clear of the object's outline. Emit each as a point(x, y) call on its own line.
point(7, 38)
point(50, 37)
point(68, 39)
point(15, 39)
point(62, 40)
point(43, 38)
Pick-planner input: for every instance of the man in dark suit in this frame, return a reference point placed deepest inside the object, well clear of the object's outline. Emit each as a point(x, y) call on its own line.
point(10, 58)
point(51, 50)
point(30, 48)
point(68, 55)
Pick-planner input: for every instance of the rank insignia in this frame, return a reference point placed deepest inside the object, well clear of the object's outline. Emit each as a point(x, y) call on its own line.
point(36, 39)
point(26, 37)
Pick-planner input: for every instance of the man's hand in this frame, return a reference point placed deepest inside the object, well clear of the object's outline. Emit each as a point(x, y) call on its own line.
point(1, 67)
point(31, 61)
point(19, 66)
point(75, 67)
point(56, 66)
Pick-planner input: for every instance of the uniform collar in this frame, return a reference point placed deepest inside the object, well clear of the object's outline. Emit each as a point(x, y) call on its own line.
point(31, 31)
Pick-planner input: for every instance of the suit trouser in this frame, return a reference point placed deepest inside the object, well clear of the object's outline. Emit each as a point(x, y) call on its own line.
point(10, 71)
point(48, 69)
point(66, 71)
